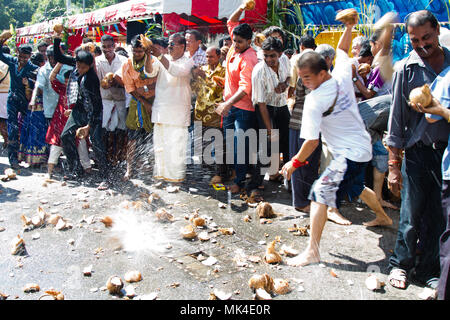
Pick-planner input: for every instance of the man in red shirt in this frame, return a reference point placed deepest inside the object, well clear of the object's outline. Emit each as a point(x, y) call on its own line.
point(237, 109)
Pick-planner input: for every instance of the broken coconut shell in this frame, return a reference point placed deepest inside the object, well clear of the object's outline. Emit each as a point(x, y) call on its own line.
point(163, 215)
point(57, 295)
point(421, 95)
point(281, 286)
point(271, 255)
point(265, 210)
point(373, 283)
point(31, 287)
point(18, 246)
point(114, 285)
point(263, 281)
point(133, 276)
point(188, 232)
point(10, 174)
point(226, 231)
point(53, 219)
point(288, 251)
point(262, 294)
point(203, 236)
point(199, 222)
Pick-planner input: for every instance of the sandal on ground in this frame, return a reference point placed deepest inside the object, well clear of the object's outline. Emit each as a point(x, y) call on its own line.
point(397, 275)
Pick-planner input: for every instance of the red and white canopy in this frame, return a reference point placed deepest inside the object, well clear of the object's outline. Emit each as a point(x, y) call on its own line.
point(140, 9)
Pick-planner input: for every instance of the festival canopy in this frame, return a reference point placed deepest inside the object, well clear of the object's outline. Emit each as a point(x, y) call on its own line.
point(199, 11)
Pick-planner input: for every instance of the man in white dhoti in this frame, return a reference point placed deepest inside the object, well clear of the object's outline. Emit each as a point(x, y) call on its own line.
point(113, 98)
point(171, 110)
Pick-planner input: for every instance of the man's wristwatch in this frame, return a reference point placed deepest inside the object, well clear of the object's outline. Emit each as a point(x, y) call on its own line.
point(354, 79)
point(145, 88)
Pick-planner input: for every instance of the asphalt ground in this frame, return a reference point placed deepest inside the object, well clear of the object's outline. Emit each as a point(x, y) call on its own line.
point(169, 264)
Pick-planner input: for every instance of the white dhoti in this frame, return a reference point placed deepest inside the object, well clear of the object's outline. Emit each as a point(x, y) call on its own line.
point(3, 100)
point(170, 143)
point(114, 115)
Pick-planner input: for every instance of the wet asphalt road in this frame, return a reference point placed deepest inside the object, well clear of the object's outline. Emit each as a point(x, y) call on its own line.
point(168, 263)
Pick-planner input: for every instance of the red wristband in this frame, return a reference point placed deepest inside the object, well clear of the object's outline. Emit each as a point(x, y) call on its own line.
point(298, 164)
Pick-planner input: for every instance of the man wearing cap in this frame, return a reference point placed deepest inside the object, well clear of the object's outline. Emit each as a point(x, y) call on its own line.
point(19, 68)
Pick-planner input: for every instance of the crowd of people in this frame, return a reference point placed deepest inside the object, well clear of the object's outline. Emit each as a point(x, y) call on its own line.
point(321, 116)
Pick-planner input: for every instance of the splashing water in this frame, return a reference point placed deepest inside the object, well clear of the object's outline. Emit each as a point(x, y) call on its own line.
point(141, 233)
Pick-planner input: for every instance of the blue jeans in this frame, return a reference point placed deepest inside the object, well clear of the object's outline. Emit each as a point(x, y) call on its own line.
point(244, 120)
point(14, 106)
point(444, 280)
point(421, 216)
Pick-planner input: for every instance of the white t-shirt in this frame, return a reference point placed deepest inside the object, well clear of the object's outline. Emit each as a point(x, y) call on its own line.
point(343, 130)
point(172, 103)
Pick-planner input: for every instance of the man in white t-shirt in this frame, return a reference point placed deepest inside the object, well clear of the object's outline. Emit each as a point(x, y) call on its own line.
point(331, 110)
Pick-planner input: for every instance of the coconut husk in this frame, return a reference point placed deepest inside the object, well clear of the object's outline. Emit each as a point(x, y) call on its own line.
point(421, 95)
point(347, 16)
point(5, 35)
point(249, 5)
point(364, 68)
point(265, 210)
point(58, 28)
point(146, 43)
point(263, 281)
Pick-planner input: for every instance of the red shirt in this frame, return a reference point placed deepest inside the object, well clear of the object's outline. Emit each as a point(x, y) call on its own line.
point(239, 73)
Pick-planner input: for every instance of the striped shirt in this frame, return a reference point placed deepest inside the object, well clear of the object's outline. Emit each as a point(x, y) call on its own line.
point(300, 93)
point(264, 82)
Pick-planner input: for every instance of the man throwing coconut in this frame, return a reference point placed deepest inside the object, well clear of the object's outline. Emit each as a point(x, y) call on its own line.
point(331, 110)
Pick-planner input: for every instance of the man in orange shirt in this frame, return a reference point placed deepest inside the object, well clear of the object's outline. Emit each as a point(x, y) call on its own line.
point(237, 109)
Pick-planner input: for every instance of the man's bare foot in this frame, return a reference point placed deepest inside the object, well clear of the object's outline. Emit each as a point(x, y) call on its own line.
point(334, 215)
point(304, 209)
point(234, 188)
point(305, 258)
point(386, 204)
point(379, 222)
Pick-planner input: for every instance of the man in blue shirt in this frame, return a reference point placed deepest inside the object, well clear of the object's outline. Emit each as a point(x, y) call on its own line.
point(19, 68)
point(440, 109)
point(417, 175)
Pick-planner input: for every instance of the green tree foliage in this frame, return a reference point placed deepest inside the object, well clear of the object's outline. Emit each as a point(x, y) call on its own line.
point(16, 12)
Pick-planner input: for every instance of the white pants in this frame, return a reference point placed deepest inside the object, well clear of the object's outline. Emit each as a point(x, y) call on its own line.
point(170, 143)
point(114, 115)
point(55, 152)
